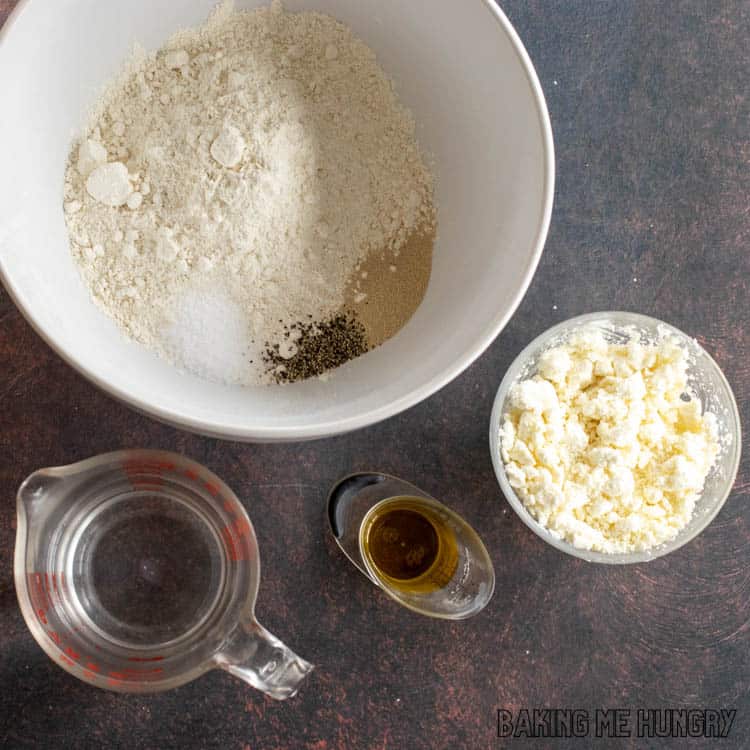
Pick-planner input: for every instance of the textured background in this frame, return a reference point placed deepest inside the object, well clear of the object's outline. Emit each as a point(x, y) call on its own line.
point(650, 111)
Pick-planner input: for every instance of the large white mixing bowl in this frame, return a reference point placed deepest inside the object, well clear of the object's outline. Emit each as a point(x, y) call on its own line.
point(461, 68)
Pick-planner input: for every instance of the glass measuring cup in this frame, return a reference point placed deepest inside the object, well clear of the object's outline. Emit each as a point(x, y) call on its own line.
point(138, 571)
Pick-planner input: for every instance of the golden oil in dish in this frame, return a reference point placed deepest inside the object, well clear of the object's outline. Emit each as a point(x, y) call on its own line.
point(409, 546)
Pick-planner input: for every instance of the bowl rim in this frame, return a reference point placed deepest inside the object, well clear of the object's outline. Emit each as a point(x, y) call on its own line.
point(607, 558)
point(288, 433)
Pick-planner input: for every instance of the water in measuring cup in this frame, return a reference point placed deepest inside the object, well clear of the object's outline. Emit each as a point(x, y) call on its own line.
point(146, 569)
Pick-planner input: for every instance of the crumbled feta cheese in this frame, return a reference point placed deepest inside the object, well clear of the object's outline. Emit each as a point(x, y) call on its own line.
point(601, 446)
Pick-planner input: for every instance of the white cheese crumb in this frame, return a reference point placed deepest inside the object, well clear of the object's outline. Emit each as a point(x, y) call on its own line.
point(601, 447)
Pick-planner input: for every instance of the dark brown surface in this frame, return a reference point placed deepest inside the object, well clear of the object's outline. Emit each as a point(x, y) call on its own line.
point(650, 109)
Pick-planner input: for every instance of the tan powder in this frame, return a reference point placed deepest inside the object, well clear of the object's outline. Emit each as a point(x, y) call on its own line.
point(386, 291)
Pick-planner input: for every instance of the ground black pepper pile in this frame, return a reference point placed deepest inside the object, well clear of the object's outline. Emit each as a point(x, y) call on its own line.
point(320, 347)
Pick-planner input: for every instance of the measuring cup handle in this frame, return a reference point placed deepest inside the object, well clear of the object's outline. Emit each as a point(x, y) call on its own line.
point(262, 660)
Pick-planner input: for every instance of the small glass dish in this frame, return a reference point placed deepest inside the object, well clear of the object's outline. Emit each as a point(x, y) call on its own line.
point(704, 377)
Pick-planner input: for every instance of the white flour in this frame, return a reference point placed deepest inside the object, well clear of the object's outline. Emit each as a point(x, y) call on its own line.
point(231, 183)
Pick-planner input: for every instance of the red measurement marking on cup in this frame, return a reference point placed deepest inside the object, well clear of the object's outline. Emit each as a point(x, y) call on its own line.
point(156, 467)
point(38, 596)
point(41, 592)
point(91, 671)
point(213, 488)
point(51, 589)
point(192, 474)
point(45, 593)
point(243, 526)
point(140, 476)
point(229, 507)
point(146, 475)
point(146, 659)
point(236, 552)
point(229, 539)
point(68, 654)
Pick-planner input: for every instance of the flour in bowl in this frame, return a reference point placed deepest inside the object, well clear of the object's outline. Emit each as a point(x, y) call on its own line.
point(233, 185)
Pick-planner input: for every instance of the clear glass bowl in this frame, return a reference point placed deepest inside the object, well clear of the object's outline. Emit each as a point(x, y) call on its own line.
point(707, 381)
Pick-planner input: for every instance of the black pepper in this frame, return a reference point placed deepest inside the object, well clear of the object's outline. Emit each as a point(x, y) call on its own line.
point(320, 347)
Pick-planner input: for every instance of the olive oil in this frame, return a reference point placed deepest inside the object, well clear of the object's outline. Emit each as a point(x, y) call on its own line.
point(409, 546)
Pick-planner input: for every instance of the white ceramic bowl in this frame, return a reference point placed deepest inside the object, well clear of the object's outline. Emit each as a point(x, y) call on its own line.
point(705, 379)
point(460, 67)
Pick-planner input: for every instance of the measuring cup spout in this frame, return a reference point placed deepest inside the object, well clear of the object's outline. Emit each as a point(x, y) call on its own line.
point(38, 494)
point(263, 661)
